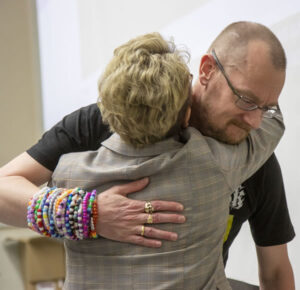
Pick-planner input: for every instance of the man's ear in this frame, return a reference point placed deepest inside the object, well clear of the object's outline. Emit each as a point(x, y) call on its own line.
point(206, 69)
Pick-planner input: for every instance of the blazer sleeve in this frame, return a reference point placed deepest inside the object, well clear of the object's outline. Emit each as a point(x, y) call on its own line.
point(239, 162)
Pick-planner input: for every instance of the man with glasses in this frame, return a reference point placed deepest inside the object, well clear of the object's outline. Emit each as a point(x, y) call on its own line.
point(240, 79)
point(239, 82)
point(243, 102)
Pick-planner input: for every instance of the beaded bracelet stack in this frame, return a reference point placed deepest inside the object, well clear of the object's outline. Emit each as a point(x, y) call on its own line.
point(63, 213)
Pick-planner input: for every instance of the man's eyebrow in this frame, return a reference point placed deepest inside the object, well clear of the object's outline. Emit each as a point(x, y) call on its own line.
point(248, 94)
point(252, 97)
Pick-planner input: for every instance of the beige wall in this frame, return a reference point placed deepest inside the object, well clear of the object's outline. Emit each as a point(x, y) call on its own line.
point(20, 94)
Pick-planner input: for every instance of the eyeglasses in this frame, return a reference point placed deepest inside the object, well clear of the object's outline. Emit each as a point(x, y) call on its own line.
point(245, 103)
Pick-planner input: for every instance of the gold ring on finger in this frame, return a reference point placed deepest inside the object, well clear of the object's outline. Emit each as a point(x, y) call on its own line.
point(148, 207)
point(143, 230)
point(150, 219)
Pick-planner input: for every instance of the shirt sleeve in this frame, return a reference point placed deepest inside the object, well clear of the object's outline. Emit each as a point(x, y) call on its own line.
point(81, 130)
point(270, 223)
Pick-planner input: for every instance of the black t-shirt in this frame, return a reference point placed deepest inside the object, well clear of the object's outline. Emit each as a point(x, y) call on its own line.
point(260, 199)
point(79, 131)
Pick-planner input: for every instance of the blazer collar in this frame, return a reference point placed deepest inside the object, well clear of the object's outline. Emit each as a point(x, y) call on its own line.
point(116, 144)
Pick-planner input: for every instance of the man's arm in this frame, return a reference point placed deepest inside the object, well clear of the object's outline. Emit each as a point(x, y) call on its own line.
point(275, 270)
point(271, 226)
point(119, 218)
point(19, 180)
point(24, 165)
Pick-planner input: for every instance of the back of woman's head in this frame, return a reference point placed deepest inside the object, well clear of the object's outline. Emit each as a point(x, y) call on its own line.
point(144, 89)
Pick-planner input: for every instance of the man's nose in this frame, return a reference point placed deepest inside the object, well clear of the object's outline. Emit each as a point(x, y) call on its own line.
point(253, 118)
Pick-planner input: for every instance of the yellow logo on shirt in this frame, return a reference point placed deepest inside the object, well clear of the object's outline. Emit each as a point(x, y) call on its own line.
point(229, 226)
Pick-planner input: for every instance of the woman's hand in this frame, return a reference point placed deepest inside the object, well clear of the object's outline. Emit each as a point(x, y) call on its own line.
point(122, 219)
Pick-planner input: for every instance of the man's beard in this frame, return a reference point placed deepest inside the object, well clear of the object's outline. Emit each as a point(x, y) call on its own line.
point(242, 126)
point(205, 124)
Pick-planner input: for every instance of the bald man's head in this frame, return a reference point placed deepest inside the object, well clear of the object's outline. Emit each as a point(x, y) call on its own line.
point(232, 43)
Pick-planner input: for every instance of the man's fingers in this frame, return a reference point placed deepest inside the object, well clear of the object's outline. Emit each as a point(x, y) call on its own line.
point(131, 187)
point(160, 205)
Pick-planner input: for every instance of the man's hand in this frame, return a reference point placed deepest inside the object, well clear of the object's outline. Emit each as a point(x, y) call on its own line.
point(121, 219)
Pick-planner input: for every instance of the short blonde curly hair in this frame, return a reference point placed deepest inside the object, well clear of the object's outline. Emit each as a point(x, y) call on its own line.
point(144, 88)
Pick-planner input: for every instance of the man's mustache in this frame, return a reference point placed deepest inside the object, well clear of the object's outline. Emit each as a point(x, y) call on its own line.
point(241, 125)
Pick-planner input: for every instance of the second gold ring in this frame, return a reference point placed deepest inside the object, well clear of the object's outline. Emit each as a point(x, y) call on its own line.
point(150, 219)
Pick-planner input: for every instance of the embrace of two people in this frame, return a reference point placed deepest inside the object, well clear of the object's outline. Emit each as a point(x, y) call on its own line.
point(197, 144)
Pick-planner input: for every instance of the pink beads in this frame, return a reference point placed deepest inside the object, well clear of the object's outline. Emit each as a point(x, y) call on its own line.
point(63, 213)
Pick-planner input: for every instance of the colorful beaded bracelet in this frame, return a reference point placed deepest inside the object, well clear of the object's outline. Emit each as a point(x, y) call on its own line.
point(63, 213)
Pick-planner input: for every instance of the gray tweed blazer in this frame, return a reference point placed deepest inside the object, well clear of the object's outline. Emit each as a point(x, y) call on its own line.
point(200, 173)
